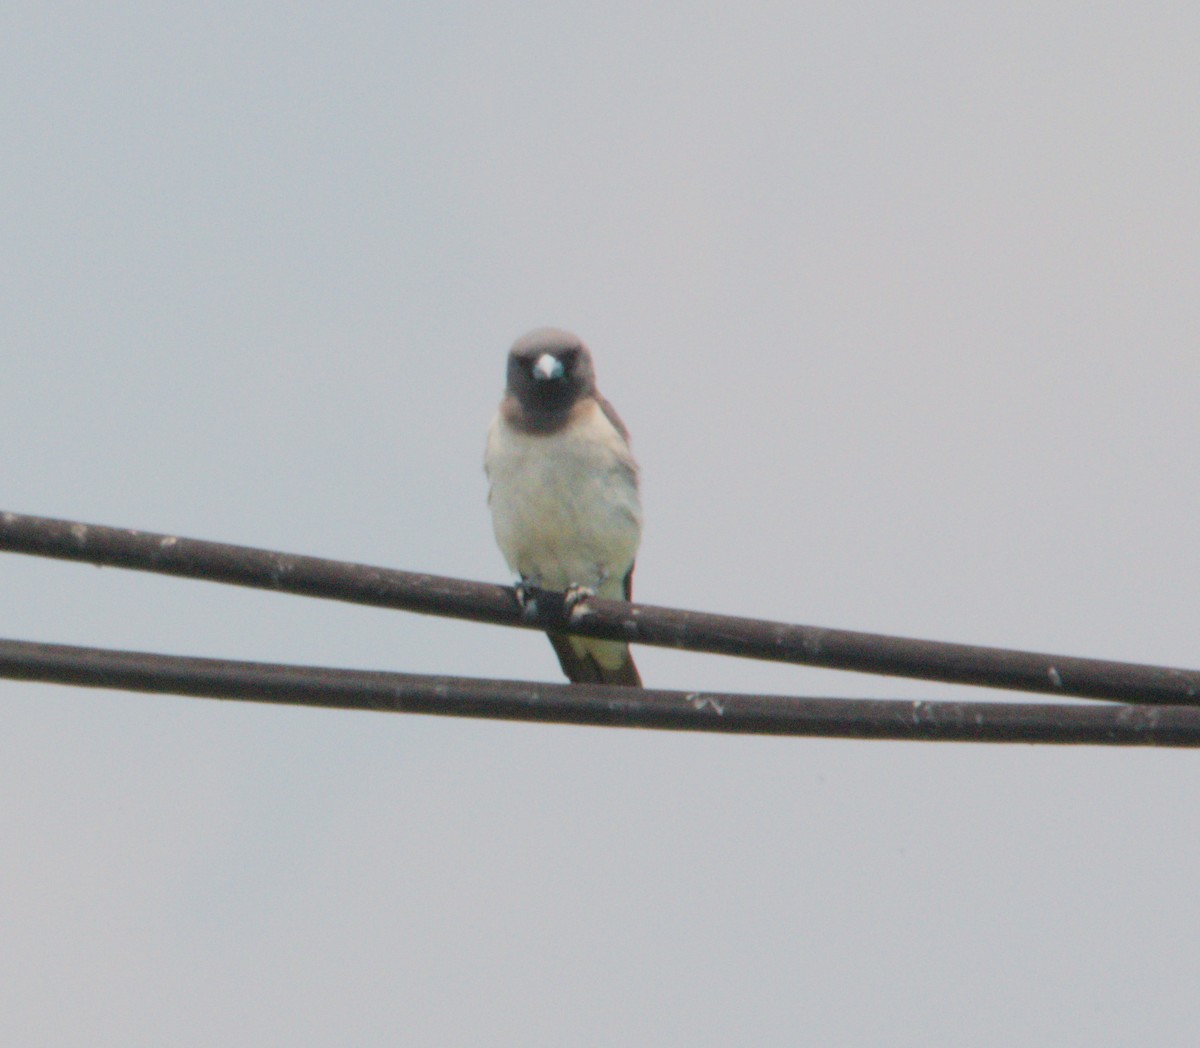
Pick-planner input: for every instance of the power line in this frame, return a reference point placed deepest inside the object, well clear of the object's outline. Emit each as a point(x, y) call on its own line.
point(600, 705)
point(1063, 676)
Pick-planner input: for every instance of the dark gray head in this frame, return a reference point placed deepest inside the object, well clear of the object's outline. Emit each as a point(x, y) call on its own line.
point(549, 371)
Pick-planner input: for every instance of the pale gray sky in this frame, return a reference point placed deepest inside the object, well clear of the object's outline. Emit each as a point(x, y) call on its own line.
point(900, 304)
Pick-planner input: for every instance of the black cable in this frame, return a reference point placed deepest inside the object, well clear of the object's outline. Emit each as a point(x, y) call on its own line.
point(597, 704)
point(640, 623)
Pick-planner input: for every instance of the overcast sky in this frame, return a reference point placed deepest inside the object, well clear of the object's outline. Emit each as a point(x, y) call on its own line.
point(900, 305)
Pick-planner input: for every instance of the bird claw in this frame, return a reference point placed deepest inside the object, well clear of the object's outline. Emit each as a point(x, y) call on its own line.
point(576, 595)
point(527, 597)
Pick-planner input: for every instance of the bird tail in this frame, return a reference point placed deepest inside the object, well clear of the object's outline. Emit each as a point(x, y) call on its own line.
point(595, 661)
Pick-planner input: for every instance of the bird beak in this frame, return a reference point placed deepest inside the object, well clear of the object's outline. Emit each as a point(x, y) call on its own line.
point(547, 367)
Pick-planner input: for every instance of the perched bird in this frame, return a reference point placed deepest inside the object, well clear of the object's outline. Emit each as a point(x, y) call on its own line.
point(563, 491)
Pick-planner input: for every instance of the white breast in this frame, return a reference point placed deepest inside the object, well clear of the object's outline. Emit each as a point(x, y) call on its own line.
point(564, 505)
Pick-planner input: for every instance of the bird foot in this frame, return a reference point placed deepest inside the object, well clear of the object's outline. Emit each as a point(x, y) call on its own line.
point(575, 597)
point(526, 593)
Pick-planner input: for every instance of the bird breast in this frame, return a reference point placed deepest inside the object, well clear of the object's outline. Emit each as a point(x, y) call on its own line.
point(565, 507)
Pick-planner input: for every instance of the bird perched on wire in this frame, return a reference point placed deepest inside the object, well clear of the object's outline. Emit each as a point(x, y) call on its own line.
point(563, 491)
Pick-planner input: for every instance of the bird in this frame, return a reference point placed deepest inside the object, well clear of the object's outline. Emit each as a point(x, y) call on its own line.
point(563, 493)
